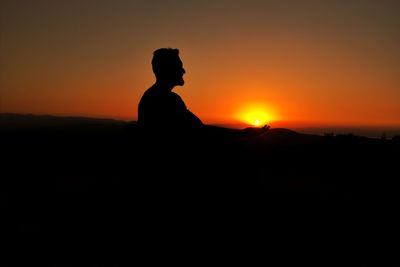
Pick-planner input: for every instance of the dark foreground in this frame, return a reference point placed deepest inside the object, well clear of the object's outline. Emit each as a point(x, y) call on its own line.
point(101, 187)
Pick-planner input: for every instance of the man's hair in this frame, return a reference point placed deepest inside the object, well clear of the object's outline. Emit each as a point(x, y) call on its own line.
point(163, 60)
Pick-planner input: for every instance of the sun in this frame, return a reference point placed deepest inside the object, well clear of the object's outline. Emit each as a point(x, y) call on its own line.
point(256, 118)
point(255, 115)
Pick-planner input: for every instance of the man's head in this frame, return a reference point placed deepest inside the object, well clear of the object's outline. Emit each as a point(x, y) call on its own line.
point(167, 66)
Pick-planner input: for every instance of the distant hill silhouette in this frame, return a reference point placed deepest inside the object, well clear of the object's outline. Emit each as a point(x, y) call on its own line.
point(13, 121)
point(284, 153)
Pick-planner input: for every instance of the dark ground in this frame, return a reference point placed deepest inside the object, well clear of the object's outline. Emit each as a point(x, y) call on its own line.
point(74, 186)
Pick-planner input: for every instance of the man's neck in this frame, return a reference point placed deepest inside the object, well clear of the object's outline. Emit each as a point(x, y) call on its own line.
point(164, 86)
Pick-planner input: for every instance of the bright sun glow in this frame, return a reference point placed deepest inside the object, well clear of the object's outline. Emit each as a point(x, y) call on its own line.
point(256, 116)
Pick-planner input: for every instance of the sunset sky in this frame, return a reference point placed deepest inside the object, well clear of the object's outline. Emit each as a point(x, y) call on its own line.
point(314, 62)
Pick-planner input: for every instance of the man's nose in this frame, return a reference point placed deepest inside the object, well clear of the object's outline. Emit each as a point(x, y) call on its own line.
point(183, 71)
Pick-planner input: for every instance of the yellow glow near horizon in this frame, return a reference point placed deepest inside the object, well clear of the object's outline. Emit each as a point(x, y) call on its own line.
point(256, 115)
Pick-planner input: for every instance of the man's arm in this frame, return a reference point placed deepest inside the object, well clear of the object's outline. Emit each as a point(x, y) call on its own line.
point(214, 131)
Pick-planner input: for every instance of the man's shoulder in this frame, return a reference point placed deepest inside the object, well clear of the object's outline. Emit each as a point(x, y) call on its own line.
point(150, 95)
point(149, 92)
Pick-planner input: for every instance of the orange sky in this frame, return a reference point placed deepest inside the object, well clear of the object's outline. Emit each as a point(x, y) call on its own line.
point(317, 62)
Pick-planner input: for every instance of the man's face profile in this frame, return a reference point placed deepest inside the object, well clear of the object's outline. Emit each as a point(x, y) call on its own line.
point(168, 66)
point(175, 71)
point(178, 72)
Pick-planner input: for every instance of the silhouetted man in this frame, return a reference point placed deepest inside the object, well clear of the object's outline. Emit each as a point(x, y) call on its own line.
point(159, 107)
point(161, 110)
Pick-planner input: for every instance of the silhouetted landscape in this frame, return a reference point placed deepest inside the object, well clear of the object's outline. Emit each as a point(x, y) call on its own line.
point(64, 177)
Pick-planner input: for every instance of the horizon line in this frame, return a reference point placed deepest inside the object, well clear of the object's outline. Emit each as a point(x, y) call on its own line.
point(304, 124)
